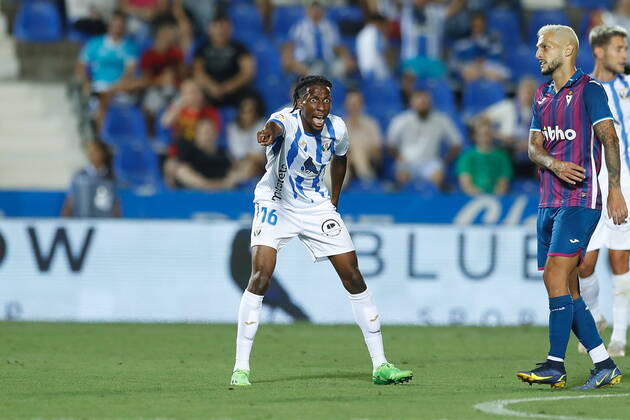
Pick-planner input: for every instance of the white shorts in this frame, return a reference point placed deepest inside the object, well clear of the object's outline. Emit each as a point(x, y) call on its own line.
point(320, 228)
point(608, 235)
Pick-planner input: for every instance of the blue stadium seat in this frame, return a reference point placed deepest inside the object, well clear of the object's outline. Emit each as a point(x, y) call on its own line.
point(545, 17)
point(382, 99)
point(275, 91)
point(122, 124)
point(522, 61)
point(592, 4)
point(136, 165)
point(339, 92)
point(479, 95)
point(246, 21)
point(441, 94)
point(163, 135)
point(38, 21)
point(267, 58)
point(284, 17)
point(505, 22)
point(339, 14)
point(585, 59)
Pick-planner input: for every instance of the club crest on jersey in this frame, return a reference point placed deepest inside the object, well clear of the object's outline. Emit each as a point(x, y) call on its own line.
point(568, 97)
point(623, 93)
point(556, 133)
point(326, 145)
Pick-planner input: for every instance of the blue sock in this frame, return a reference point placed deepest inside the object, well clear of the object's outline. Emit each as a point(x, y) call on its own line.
point(584, 326)
point(560, 320)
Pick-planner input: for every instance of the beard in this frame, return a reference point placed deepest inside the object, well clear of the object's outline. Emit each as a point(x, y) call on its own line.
point(551, 67)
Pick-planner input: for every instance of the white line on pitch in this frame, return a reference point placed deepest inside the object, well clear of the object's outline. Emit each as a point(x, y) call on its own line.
point(499, 406)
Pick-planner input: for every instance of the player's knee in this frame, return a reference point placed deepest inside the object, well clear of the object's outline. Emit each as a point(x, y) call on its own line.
point(353, 281)
point(586, 270)
point(259, 282)
point(618, 262)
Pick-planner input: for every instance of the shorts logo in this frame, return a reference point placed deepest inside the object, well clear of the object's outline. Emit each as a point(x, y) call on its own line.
point(331, 227)
point(574, 241)
point(257, 230)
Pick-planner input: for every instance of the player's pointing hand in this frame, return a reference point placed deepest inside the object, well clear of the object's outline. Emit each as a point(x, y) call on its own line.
point(265, 136)
point(569, 172)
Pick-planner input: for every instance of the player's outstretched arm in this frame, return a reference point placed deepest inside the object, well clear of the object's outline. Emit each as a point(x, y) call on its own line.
point(337, 174)
point(605, 132)
point(568, 172)
point(270, 131)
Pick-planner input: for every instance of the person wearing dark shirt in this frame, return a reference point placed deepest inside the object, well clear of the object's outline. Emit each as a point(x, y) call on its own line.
point(222, 66)
point(201, 164)
point(92, 191)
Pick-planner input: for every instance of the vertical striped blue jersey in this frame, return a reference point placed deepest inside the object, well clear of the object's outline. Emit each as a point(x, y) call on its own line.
point(618, 92)
point(297, 160)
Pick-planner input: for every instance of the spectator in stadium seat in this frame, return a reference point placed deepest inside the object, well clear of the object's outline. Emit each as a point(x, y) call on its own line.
point(163, 70)
point(315, 47)
point(374, 55)
point(92, 190)
point(243, 148)
point(620, 16)
point(223, 67)
point(142, 13)
point(106, 66)
point(511, 119)
point(201, 164)
point(365, 155)
point(422, 27)
point(89, 17)
point(188, 108)
point(479, 55)
point(414, 138)
point(484, 169)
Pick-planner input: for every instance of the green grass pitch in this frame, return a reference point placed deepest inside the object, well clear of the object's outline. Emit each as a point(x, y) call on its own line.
point(299, 372)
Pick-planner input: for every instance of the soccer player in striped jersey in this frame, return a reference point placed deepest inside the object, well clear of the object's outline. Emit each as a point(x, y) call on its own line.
point(291, 200)
point(570, 122)
point(610, 48)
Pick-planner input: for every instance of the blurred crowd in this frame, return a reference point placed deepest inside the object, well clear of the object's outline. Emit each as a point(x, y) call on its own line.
point(436, 93)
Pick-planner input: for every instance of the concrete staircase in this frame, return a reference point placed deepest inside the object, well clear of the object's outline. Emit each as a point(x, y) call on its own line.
point(40, 146)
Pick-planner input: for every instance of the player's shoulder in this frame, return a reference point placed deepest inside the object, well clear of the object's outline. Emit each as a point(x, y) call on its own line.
point(285, 116)
point(337, 124)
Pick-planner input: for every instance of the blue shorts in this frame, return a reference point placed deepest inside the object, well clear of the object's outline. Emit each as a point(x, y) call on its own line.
point(564, 231)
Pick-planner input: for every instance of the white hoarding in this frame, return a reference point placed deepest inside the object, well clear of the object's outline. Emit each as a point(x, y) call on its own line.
point(193, 271)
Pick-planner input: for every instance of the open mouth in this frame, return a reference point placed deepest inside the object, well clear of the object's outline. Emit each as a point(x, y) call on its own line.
point(318, 120)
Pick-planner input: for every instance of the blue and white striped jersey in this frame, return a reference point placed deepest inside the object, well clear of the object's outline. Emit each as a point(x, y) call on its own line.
point(296, 161)
point(618, 91)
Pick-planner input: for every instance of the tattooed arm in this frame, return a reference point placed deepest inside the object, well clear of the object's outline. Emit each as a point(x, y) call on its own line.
point(605, 132)
point(568, 172)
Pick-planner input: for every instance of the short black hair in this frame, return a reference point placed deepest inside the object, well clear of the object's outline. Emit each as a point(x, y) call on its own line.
point(601, 35)
point(304, 83)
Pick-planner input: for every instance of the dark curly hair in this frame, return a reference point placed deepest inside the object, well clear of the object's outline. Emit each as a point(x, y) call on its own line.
point(304, 83)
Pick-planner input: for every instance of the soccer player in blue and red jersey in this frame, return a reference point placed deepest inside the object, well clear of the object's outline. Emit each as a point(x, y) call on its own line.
point(570, 122)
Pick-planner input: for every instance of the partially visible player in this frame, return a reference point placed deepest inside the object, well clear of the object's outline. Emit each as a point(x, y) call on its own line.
point(570, 122)
point(610, 48)
point(292, 200)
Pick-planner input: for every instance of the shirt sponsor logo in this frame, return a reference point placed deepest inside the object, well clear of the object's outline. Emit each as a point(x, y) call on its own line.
point(556, 133)
point(282, 173)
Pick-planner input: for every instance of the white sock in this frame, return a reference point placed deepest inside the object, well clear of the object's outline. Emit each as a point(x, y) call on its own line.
point(621, 306)
point(248, 320)
point(589, 289)
point(599, 354)
point(367, 318)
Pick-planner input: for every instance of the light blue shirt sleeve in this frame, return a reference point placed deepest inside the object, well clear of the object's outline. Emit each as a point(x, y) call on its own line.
point(596, 102)
point(88, 52)
point(130, 51)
